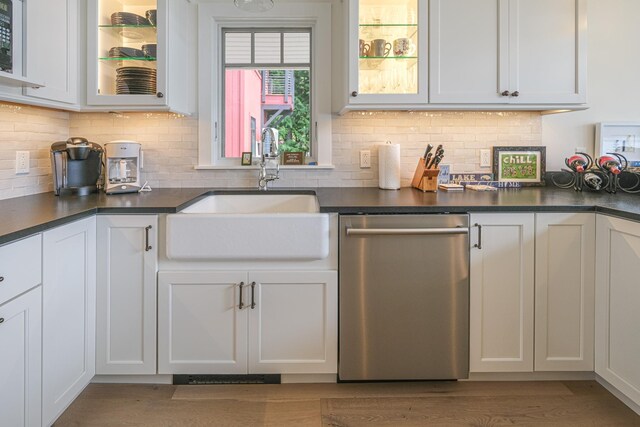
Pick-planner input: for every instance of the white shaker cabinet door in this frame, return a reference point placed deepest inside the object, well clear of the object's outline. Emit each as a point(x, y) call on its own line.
point(501, 294)
point(548, 57)
point(53, 49)
point(20, 360)
point(68, 314)
point(202, 322)
point(468, 51)
point(293, 322)
point(565, 286)
point(126, 319)
point(618, 304)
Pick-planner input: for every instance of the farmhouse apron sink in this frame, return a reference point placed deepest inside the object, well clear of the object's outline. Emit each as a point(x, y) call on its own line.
point(249, 226)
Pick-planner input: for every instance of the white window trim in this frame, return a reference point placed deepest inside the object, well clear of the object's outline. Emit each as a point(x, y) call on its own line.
point(211, 19)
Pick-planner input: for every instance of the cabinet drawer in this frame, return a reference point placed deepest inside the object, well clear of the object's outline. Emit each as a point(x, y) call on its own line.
point(20, 266)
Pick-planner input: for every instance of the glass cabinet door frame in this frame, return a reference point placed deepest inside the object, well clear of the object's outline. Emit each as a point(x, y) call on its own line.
point(422, 95)
point(93, 68)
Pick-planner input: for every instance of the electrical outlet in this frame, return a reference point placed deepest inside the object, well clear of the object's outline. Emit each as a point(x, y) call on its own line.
point(485, 158)
point(365, 159)
point(22, 162)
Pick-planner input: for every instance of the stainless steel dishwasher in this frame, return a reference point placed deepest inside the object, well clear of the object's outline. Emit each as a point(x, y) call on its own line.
point(404, 297)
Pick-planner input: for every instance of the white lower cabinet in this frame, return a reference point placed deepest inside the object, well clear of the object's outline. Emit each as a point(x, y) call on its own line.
point(20, 360)
point(238, 322)
point(564, 291)
point(618, 304)
point(293, 325)
point(126, 294)
point(68, 314)
point(527, 266)
point(501, 293)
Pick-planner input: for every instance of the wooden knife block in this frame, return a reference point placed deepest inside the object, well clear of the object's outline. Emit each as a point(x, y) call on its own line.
point(425, 179)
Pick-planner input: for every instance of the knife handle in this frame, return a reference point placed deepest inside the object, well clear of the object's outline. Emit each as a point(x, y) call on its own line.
point(426, 160)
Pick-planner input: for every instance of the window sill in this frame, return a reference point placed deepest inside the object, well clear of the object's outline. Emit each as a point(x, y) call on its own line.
point(255, 167)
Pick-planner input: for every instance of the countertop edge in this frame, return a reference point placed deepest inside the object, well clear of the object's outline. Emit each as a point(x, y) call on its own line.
point(356, 201)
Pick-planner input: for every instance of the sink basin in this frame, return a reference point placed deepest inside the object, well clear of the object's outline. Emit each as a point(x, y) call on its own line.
point(244, 227)
point(255, 204)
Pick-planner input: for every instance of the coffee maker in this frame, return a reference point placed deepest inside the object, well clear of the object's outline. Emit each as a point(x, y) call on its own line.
point(123, 167)
point(76, 165)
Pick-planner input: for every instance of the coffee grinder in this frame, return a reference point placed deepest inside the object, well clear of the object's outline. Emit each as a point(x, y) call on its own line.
point(123, 167)
point(76, 165)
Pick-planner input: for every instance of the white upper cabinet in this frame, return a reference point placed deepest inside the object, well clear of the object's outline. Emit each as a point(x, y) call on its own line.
point(136, 63)
point(52, 49)
point(547, 51)
point(387, 51)
point(466, 47)
point(508, 52)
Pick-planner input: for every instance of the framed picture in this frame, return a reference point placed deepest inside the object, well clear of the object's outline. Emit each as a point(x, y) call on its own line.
point(293, 158)
point(246, 158)
point(519, 164)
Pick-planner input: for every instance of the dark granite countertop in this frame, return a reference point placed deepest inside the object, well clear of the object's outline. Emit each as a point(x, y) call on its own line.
point(23, 216)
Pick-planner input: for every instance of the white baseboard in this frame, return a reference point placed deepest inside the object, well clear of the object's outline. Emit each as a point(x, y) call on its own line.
point(132, 379)
point(617, 393)
point(308, 378)
point(531, 376)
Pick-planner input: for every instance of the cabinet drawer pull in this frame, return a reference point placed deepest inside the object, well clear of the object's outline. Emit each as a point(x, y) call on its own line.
point(1, 279)
point(253, 295)
point(241, 304)
point(147, 246)
point(479, 244)
point(1, 319)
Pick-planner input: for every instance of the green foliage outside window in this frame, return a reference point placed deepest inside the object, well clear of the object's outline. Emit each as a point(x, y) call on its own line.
point(295, 129)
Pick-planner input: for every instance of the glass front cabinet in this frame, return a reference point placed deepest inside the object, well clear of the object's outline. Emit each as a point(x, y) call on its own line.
point(387, 52)
point(137, 54)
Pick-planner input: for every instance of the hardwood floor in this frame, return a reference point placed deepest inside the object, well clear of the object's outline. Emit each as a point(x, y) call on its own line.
point(549, 403)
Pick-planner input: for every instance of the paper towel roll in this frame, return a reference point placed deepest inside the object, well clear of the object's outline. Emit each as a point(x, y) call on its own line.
point(389, 166)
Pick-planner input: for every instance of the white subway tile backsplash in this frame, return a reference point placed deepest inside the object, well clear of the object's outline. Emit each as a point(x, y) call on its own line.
point(170, 145)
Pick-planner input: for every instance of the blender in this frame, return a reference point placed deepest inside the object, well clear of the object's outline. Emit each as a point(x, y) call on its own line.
point(124, 162)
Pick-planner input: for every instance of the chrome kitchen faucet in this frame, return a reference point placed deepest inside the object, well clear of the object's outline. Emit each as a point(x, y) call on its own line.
point(270, 141)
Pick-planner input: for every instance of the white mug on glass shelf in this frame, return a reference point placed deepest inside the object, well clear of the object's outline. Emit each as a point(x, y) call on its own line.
point(403, 47)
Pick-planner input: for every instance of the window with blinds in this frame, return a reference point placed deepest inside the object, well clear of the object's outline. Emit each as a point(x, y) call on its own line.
point(267, 78)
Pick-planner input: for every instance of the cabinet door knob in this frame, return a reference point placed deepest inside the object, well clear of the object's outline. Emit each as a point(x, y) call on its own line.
point(1, 319)
point(1, 278)
point(354, 93)
point(505, 93)
point(160, 95)
point(516, 93)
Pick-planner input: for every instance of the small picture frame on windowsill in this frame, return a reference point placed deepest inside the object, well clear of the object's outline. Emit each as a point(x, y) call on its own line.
point(246, 158)
point(520, 164)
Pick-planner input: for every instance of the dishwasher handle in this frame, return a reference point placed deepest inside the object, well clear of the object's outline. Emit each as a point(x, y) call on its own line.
point(406, 231)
